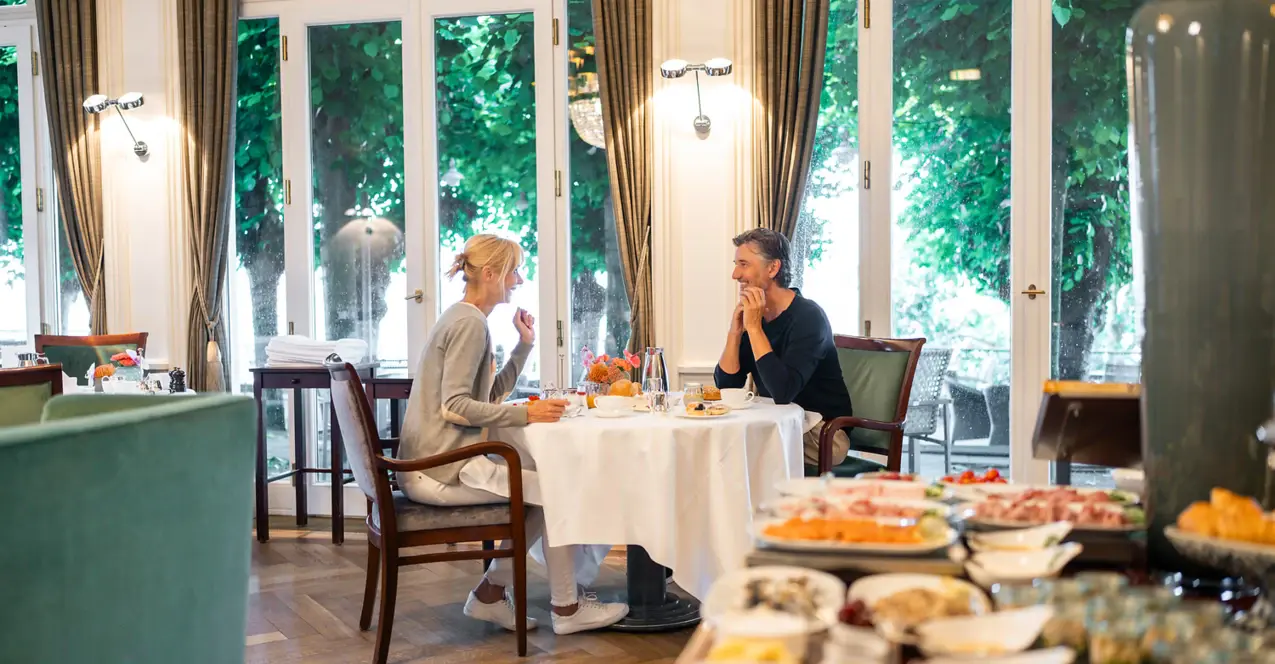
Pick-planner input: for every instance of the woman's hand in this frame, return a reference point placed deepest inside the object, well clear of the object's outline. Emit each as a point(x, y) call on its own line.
point(526, 325)
point(545, 410)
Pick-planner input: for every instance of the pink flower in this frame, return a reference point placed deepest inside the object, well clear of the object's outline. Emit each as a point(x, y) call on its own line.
point(632, 358)
point(586, 356)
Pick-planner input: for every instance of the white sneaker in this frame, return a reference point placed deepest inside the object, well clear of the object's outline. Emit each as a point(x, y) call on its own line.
point(591, 614)
point(499, 613)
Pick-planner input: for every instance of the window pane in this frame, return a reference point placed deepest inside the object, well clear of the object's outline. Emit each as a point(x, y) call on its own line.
point(950, 241)
point(486, 107)
point(13, 284)
point(599, 302)
point(10, 3)
point(256, 289)
point(826, 248)
point(73, 307)
point(356, 96)
point(1097, 308)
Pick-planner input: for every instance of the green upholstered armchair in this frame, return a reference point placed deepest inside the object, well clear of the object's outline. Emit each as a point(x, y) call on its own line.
point(128, 523)
point(77, 354)
point(24, 391)
point(878, 373)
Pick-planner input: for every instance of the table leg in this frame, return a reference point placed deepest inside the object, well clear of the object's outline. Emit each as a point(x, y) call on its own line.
point(651, 607)
point(263, 508)
point(299, 447)
point(338, 478)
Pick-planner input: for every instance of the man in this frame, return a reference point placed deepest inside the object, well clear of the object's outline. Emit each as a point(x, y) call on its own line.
point(784, 341)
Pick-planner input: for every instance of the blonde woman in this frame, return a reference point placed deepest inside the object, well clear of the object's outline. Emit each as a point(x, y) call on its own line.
point(456, 395)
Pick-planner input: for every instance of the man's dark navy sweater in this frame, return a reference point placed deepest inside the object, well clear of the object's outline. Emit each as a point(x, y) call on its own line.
point(802, 367)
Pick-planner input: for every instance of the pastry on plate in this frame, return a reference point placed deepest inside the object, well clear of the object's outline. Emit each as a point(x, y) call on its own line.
point(711, 393)
point(705, 409)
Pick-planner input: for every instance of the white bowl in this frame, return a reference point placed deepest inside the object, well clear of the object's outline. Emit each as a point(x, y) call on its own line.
point(1005, 632)
point(1059, 655)
point(726, 598)
point(1023, 539)
point(988, 567)
point(611, 404)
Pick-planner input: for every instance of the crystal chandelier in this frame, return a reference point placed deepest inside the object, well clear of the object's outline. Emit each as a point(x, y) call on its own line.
point(585, 108)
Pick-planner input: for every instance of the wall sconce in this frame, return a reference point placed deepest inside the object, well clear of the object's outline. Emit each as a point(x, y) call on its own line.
point(98, 103)
point(714, 67)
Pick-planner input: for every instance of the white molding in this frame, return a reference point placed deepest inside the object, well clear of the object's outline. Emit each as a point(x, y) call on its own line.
point(666, 255)
point(180, 278)
point(876, 138)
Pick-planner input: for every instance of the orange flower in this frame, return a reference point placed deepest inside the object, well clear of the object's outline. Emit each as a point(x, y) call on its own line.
point(598, 373)
point(103, 371)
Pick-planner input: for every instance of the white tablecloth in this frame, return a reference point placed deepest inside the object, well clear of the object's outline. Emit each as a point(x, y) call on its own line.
point(683, 489)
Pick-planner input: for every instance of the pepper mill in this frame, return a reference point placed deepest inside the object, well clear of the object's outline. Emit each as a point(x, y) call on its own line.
point(176, 381)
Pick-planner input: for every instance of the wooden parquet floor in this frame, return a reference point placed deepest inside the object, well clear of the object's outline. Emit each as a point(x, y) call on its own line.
point(305, 595)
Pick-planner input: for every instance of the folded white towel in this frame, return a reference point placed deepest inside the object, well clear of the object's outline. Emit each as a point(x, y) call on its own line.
point(295, 349)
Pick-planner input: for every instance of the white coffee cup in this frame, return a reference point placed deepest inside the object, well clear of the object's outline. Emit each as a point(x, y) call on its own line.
point(737, 397)
point(613, 405)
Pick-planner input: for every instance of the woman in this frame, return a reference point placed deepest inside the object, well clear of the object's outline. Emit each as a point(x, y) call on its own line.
point(456, 396)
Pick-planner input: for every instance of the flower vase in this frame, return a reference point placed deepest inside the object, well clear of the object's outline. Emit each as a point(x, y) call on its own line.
point(1202, 101)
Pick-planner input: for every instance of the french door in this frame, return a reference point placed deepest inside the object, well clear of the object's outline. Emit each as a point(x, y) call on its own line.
point(971, 176)
point(374, 139)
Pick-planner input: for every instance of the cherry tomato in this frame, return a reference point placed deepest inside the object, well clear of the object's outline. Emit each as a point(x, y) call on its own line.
point(948, 478)
point(992, 474)
point(533, 397)
point(969, 474)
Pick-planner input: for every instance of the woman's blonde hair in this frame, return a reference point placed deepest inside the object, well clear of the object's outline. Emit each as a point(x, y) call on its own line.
point(486, 250)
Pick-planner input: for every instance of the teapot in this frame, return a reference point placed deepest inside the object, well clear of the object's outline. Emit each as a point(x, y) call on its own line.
point(31, 359)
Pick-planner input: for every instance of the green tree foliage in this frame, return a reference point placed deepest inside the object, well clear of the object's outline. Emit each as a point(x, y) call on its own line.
point(953, 137)
point(11, 240)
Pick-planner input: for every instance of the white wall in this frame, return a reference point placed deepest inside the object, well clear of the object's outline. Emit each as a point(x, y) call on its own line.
point(702, 192)
point(146, 282)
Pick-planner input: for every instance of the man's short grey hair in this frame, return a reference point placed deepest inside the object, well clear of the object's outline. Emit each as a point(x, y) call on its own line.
point(770, 245)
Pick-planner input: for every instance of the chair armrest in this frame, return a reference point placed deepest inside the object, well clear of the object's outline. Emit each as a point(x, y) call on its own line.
point(831, 427)
point(505, 450)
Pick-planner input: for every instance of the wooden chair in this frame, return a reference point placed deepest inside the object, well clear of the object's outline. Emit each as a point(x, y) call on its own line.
point(23, 395)
point(878, 373)
point(77, 354)
point(394, 522)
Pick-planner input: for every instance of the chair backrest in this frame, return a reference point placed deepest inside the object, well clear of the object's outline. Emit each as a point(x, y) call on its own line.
point(77, 353)
point(358, 433)
point(926, 386)
point(24, 391)
point(878, 374)
point(130, 524)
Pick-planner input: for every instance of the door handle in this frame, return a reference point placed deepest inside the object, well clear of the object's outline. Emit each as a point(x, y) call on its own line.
point(417, 295)
point(1032, 291)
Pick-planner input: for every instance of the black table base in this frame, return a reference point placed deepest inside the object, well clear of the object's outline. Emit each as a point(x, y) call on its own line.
point(652, 608)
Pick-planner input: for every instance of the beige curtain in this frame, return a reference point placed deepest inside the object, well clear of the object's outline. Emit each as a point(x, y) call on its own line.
point(791, 36)
point(208, 36)
point(622, 29)
point(68, 59)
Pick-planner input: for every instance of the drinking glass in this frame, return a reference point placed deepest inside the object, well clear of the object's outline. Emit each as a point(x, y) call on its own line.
point(656, 397)
point(692, 393)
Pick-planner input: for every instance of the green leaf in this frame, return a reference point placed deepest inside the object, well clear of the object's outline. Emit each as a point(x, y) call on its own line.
point(391, 91)
point(950, 13)
point(371, 49)
point(1062, 15)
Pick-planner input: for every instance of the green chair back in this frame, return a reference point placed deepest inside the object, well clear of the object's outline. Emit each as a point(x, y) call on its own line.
point(22, 404)
point(875, 379)
point(128, 528)
point(76, 360)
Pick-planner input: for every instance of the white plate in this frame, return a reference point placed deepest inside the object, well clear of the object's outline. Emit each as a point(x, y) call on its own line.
point(872, 589)
point(681, 412)
point(977, 492)
point(989, 567)
point(726, 598)
point(851, 487)
point(790, 506)
point(880, 475)
point(759, 528)
point(968, 510)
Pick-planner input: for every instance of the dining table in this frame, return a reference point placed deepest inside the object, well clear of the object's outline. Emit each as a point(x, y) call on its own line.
point(679, 491)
